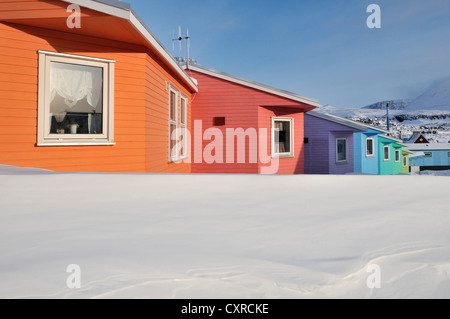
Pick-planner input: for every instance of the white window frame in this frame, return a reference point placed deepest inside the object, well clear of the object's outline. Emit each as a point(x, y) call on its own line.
point(183, 126)
point(44, 137)
point(373, 147)
point(291, 138)
point(389, 153)
point(397, 152)
point(346, 150)
point(176, 156)
point(405, 161)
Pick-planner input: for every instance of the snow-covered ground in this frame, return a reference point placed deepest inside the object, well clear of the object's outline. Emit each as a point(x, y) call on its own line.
point(223, 236)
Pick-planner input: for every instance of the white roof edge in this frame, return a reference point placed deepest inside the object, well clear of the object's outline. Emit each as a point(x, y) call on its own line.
point(123, 10)
point(394, 139)
point(429, 146)
point(337, 119)
point(254, 85)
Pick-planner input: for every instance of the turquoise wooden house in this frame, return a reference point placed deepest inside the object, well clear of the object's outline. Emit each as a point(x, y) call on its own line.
point(390, 159)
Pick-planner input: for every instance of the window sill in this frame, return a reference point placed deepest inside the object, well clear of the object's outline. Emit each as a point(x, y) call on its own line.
point(282, 156)
point(178, 160)
point(45, 144)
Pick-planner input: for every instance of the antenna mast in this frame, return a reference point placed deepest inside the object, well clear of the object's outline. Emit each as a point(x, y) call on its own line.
point(180, 38)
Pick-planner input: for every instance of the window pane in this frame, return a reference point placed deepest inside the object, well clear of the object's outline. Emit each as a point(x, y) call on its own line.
point(183, 111)
point(282, 135)
point(397, 156)
point(183, 142)
point(173, 105)
point(386, 153)
point(341, 150)
point(76, 99)
point(173, 140)
point(369, 147)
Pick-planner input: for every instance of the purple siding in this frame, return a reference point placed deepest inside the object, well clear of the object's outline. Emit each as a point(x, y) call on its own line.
point(320, 150)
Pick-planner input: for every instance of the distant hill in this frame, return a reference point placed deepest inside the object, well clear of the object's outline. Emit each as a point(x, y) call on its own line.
point(393, 105)
point(436, 98)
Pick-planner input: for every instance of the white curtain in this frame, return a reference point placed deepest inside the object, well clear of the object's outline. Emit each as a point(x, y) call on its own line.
point(75, 82)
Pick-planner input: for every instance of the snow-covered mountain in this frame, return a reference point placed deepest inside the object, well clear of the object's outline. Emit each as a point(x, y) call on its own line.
point(393, 105)
point(436, 98)
point(428, 114)
point(435, 125)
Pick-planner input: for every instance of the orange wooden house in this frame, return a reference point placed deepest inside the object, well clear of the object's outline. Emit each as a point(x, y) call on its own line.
point(85, 86)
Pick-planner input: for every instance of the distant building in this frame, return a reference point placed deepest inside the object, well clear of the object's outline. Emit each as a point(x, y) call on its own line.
point(336, 145)
point(435, 156)
point(418, 138)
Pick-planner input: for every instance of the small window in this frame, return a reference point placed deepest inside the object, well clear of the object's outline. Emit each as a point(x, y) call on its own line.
point(306, 140)
point(219, 121)
point(386, 153)
point(173, 124)
point(183, 124)
point(76, 100)
point(397, 156)
point(448, 154)
point(405, 161)
point(282, 137)
point(428, 154)
point(370, 147)
point(341, 150)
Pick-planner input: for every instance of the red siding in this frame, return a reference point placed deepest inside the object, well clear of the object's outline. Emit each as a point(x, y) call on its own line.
point(243, 107)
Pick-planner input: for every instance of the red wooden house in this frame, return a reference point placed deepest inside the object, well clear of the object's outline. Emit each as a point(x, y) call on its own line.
point(85, 86)
point(240, 126)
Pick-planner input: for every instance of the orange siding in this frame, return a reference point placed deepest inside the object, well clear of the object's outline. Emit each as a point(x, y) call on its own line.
point(157, 117)
point(141, 102)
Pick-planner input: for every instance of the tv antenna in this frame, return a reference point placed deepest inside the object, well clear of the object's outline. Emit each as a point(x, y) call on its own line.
point(180, 39)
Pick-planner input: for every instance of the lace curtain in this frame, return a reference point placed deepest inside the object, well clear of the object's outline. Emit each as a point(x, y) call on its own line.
point(75, 82)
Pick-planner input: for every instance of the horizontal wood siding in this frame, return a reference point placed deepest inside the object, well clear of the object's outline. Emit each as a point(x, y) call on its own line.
point(347, 166)
point(18, 108)
point(158, 80)
point(317, 149)
point(237, 104)
point(140, 110)
point(249, 110)
point(366, 164)
point(290, 165)
point(320, 152)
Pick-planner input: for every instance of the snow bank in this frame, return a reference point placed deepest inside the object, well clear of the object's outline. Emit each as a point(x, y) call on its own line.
point(223, 236)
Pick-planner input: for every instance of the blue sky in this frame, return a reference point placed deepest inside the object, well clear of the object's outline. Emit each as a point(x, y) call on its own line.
point(318, 48)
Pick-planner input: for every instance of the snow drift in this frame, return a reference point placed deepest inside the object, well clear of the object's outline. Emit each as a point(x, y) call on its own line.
point(223, 236)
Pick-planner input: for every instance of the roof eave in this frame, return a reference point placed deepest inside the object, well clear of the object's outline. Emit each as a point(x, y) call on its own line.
point(123, 10)
point(255, 85)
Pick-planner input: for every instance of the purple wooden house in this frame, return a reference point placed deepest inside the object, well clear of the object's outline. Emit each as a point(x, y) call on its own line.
point(329, 147)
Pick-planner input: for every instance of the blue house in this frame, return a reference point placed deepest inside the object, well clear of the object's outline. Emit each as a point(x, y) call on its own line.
point(367, 154)
point(336, 145)
point(434, 156)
